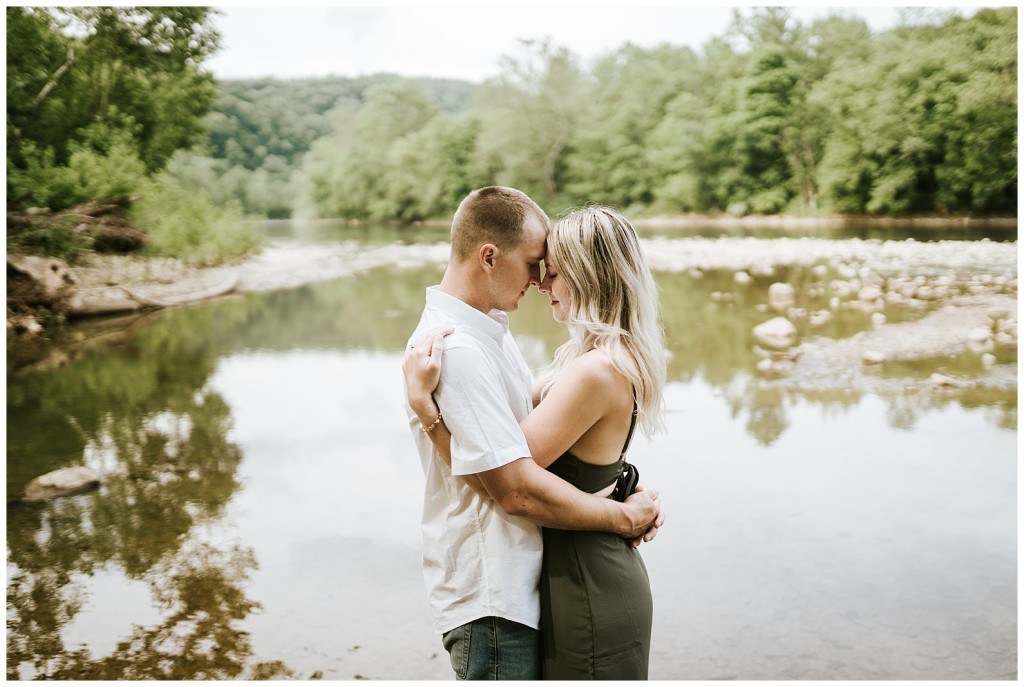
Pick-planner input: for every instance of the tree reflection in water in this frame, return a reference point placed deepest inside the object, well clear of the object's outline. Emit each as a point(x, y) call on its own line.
point(143, 419)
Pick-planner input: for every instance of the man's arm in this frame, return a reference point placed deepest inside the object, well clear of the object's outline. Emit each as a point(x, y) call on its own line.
point(525, 489)
point(522, 487)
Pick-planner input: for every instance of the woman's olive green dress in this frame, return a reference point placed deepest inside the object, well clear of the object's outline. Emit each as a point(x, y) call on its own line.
point(595, 595)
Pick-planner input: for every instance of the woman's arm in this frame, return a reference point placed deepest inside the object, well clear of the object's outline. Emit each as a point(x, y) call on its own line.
point(421, 377)
point(574, 405)
point(584, 396)
point(577, 402)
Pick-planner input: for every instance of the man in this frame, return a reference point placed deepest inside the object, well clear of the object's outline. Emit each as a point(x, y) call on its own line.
point(482, 557)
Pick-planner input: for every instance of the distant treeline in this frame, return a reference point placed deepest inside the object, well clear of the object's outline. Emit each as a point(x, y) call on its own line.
point(774, 116)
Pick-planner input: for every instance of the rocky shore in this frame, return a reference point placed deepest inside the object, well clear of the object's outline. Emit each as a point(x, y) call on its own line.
point(966, 292)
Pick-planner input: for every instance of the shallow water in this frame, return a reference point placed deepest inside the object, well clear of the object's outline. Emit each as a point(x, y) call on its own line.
point(259, 514)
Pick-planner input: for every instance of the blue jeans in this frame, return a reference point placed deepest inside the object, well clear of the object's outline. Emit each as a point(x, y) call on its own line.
point(494, 649)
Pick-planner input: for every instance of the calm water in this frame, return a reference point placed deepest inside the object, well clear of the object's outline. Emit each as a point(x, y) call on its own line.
point(259, 514)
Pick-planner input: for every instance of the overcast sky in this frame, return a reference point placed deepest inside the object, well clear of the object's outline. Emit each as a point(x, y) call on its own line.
point(459, 42)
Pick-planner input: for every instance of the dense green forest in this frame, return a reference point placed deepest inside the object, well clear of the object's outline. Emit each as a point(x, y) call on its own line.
point(98, 101)
point(772, 116)
point(260, 131)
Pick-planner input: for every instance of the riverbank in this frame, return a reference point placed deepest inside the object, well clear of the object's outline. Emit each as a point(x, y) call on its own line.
point(956, 297)
point(794, 221)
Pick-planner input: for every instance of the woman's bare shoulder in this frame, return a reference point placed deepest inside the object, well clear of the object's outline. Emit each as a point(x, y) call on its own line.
point(594, 369)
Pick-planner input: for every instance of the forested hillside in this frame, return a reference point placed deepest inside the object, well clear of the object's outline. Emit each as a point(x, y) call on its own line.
point(260, 130)
point(773, 116)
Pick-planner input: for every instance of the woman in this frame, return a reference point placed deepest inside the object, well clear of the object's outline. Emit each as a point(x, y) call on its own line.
point(595, 595)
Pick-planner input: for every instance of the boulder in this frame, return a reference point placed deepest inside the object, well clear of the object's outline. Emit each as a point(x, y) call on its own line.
point(819, 318)
point(979, 340)
point(63, 482)
point(24, 325)
point(941, 381)
point(781, 296)
point(49, 277)
point(872, 357)
point(869, 294)
point(777, 332)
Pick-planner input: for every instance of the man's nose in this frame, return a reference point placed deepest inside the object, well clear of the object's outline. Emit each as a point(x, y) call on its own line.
point(535, 277)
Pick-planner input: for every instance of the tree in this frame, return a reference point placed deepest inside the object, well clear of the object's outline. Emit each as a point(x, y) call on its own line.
point(348, 170)
point(530, 114)
point(926, 122)
point(609, 160)
point(131, 73)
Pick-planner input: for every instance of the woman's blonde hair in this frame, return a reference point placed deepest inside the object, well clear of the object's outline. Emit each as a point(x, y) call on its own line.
point(613, 304)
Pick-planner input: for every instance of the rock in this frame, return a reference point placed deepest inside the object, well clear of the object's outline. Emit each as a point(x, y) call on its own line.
point(63, 482)
point(878, 319)
point(51, 274)
point(24, 325)
point(997, 314)
point(781, 296)
point(796, 313)
point(1004, 340)
point(777, 332)
point(742, 278)
point(988, 360)
point(941, 381)
point(819, 318)
point(872, 357)
point(979, 340)
point(869, 294)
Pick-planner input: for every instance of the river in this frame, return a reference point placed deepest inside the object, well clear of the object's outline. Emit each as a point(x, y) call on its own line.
point(259, 511)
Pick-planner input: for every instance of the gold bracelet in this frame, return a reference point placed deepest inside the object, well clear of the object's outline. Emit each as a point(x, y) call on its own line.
point(433, 424)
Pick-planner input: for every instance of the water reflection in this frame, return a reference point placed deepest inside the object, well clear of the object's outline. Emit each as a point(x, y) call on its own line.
point(139, 414)
point(211, 423)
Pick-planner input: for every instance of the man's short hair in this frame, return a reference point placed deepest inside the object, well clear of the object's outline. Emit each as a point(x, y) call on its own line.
point(493, 214)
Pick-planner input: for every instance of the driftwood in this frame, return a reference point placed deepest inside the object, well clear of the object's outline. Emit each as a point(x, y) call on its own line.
point(107, 300)
point(94, 221)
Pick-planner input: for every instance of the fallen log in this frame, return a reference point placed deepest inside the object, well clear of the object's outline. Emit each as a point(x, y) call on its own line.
point(106, 300)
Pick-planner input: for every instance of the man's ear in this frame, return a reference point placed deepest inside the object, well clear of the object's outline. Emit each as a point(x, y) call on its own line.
point(486, 255)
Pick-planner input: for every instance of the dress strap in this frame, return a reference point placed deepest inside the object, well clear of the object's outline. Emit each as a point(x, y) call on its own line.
point(632, 426)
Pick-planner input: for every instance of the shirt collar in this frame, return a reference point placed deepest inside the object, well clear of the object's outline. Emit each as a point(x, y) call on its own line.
point(494, 324)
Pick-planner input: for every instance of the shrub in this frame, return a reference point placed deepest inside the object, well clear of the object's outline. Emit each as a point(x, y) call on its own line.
point(185, 223)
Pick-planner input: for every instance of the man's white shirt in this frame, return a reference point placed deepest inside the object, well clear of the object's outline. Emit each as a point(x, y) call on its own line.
point(477, 560)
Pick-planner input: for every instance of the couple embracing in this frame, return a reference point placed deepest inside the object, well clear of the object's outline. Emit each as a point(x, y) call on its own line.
point(531, 522)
